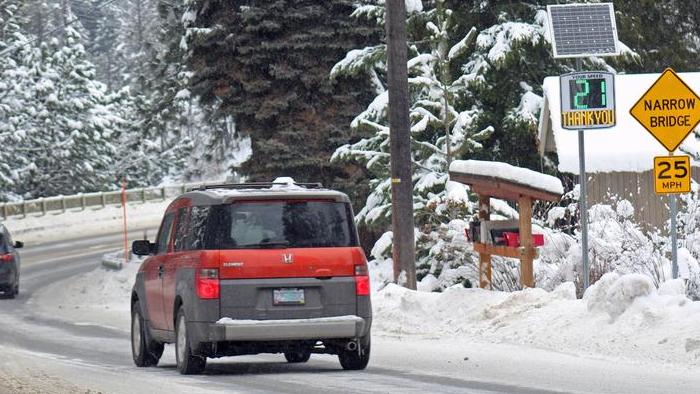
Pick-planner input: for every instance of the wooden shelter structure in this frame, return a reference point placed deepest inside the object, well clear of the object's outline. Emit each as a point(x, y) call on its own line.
point(510, 188)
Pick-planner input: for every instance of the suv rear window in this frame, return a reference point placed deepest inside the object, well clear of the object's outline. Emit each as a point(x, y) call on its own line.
point(293, 224)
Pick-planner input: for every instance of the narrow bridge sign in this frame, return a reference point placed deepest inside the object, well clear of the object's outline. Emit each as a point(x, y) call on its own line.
point(669, 110)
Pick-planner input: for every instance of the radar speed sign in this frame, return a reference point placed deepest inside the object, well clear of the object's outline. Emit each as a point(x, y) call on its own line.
point(587, 100)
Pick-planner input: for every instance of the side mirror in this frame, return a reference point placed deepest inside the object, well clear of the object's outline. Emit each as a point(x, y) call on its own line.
point(19, 245)
point(142, 247)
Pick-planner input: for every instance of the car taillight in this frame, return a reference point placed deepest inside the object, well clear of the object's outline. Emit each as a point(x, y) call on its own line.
point(207, 283)
point(361, 280)
point(5, 258)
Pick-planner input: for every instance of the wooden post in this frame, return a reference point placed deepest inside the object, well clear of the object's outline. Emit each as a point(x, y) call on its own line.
point(484, 259)
point(403, 251)
point(527, 278)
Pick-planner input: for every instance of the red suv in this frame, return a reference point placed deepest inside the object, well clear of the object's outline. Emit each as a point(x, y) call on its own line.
point(253, 268)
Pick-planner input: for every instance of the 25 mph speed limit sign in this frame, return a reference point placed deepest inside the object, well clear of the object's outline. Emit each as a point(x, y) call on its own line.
point(672, 174)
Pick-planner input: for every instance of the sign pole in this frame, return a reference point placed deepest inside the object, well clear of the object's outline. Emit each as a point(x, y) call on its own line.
point(674, 233)
point(583, 207)
point(583, 203)
point(674, 237)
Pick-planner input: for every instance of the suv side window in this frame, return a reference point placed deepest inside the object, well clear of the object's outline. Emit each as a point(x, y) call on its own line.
point(198, 237)
point(164, 233)
point(181, 230)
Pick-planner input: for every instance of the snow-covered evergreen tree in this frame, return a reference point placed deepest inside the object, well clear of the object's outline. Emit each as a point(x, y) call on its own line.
point(65, 120)
point(12, 95)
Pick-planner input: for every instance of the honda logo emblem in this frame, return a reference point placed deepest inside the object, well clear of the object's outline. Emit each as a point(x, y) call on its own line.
point(288, 258)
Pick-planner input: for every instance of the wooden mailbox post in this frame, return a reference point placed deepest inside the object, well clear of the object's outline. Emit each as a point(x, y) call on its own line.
point(487, 187)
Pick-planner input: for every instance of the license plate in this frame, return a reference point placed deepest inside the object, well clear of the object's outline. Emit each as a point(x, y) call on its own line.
point(288, 296)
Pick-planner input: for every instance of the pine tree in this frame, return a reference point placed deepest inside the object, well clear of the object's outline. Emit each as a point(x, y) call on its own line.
point(268, 65)
point(66, 121)
point(12, 95)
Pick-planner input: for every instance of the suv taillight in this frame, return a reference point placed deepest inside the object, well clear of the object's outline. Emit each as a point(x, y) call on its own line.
point(361, 280)
point(5, 258)
point(207, 283)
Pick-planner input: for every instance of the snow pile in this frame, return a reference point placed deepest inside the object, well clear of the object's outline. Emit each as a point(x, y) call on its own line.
point(508, 172)
point(91, 221)
point(100, 297)
point(620, 317)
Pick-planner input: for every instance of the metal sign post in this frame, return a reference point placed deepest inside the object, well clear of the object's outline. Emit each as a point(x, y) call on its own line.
point(674, 236)
point(583, 207)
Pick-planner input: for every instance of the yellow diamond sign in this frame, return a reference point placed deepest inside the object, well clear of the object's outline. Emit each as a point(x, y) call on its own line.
point(669, 110)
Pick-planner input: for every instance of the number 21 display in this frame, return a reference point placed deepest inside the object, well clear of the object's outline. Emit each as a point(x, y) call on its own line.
point(587, 100)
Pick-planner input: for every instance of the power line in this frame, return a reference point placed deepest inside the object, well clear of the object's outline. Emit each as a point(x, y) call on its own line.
point(13, 48)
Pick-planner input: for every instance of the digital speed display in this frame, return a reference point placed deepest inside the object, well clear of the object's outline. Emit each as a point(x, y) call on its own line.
point(588, 93)
point(587, 100)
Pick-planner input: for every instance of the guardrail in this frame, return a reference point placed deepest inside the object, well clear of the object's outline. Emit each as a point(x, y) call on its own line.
point(99, 199)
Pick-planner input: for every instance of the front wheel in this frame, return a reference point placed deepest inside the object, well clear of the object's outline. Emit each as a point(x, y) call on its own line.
point(187, 363)
point(357, 359)
point(146, 352)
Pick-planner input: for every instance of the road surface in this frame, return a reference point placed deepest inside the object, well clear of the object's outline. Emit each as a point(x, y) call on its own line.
point(51, 354)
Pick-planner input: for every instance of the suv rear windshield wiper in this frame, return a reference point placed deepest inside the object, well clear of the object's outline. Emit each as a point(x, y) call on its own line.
point(265, 244)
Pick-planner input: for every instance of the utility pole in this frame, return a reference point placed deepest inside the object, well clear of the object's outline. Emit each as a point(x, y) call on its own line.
point(403, 251)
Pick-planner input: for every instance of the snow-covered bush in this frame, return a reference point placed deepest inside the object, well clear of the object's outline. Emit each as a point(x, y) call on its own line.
point(615, 244)
point(689, 240)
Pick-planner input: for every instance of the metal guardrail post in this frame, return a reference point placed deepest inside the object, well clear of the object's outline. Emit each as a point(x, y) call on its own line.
point(63, 204)
point(103, 199)
point(43, 206)
point(183, 188)
point(143, 194)
point(162, 193)
point(83, 203)
point(24, 209)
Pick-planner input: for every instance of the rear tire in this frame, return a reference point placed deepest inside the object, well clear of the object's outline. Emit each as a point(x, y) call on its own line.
point(187, 363)
point(297, 357)
point(353, 360)
point(146, 352)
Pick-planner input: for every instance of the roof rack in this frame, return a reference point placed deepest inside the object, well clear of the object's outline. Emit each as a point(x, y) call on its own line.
point(255, 185)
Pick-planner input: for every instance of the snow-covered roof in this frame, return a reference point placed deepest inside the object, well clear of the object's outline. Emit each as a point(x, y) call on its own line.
point(504, 171)
point(625, 147)
point(224, 195)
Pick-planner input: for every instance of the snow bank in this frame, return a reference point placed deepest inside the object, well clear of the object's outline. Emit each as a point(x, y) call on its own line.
point(99, 297)
point(621, 317)
point(508, 172)
point(91, 221)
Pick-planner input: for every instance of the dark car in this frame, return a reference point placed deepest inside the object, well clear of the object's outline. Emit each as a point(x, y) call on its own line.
point(9, 264)
point(247, 269)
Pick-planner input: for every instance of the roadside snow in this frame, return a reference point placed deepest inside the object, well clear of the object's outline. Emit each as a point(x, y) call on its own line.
point(91, 221)
point(620, 317)
point(99, 297)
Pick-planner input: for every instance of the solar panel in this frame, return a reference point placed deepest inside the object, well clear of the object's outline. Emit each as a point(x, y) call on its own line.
point(580, 30)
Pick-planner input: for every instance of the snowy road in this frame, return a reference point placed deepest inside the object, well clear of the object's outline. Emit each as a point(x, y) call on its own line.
point(51, 354)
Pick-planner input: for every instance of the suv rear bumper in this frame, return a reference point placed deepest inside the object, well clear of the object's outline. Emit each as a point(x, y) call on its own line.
point(274, 330)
